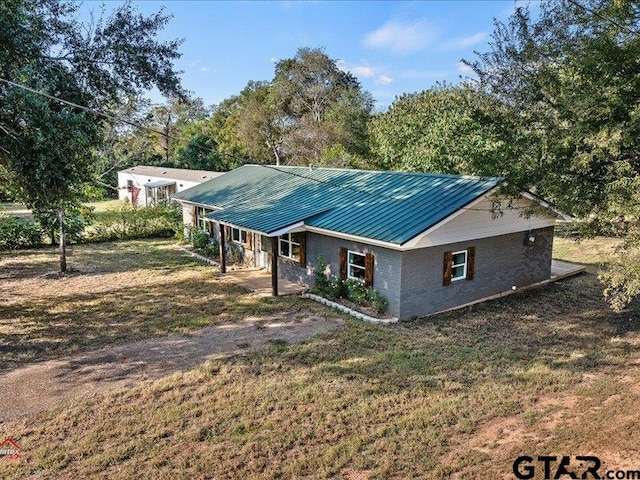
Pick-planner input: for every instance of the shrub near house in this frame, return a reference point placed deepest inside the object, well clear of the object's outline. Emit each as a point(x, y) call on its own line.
point(124, 222)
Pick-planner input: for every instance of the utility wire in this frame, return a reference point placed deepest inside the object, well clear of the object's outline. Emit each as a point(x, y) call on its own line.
point(116, 118)
point(150, 129)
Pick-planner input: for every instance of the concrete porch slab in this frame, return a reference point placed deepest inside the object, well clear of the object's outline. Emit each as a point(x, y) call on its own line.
point(560, 269)
point(258, 280)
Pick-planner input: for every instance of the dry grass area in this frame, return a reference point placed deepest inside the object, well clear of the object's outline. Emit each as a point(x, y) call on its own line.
point(550, 371)
point(118, 292)
point(591, 253)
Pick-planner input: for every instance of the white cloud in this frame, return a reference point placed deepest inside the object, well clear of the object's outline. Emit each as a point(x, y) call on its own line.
point(464, 69)
point(205, 69)
point(401, 38)
point(384, 80)
point(465, 42)
point(362, 71)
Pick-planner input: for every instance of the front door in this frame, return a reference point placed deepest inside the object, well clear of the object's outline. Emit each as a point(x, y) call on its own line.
point(263, 251)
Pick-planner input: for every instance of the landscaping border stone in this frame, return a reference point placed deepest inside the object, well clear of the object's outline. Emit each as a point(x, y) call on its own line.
point(349, 311)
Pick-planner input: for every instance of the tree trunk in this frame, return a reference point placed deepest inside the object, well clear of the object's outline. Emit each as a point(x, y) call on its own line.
point(63, 242)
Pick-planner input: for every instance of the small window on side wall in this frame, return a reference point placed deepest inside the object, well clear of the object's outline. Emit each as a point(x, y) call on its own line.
point(356, 265)
point(458, 265)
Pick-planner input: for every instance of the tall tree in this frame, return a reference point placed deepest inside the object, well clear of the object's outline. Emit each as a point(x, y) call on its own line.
point(259, 123)
point(448, 129)
point(319, 105)
point(309, 112)
point(47, 146)
point(167, 122)
point(572, 78)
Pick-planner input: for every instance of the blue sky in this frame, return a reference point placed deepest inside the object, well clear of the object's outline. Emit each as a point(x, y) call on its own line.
point(392, 47)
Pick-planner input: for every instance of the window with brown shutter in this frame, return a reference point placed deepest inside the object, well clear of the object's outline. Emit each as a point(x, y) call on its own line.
point(343, 263)
point(458, 265)
point(368, 270)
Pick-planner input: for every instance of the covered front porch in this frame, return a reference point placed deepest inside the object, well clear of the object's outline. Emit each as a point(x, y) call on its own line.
point(259, 281)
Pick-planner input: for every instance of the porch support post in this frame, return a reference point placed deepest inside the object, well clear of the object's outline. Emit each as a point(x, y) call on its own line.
point(223, 257)
point(274, 266)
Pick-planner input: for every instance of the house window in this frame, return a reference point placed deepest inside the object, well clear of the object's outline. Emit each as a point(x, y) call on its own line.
point(458, 265)
point(356, 265)
point(238, 235)
point(265, 243)
point(289, 246)
point(201, 221)
point(129, 185)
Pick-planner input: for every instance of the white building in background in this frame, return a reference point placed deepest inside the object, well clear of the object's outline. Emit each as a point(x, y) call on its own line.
point(147, 186)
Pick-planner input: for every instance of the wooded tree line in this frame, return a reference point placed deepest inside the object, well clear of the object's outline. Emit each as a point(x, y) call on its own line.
point(554, 109)
point(311, 112)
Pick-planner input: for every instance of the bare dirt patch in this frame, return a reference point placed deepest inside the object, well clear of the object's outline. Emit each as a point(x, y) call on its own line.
point(44, 385)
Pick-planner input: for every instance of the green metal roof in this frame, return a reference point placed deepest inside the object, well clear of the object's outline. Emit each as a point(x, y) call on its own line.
point(387, 206)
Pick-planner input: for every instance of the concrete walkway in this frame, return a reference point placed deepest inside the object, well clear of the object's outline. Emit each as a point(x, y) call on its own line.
point(560, 269)
point(258, 280)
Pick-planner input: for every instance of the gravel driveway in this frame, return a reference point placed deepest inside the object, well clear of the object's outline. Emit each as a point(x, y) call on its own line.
point(41, 386)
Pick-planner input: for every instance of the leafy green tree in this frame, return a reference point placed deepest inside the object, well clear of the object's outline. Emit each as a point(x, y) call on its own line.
point(199, 150)
point(447, 129)
point(167, 123)
point(572, 78)
point(259, 123)
point(319, 106)
point(310, 112)
point(47, 147)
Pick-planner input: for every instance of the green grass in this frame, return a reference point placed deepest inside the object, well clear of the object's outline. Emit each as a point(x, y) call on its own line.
point(104, 205)
point(15, 209)
point(591, 253)
point(550, 371)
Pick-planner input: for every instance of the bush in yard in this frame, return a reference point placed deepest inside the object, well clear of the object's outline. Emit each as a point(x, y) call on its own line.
point(202, 242)
point(376, 300)
point(337, 288)
point(128, 221)
point(16, 233)
point(234, 254)
point(321, 279)
point(199, 239)
point(77, 219)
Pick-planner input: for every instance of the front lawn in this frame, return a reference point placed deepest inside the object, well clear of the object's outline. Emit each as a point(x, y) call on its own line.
point(116, 292)
point(549, 371)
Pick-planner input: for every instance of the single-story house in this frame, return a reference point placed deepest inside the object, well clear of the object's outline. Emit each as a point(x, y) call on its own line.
point(148, 185)
point(427, 242)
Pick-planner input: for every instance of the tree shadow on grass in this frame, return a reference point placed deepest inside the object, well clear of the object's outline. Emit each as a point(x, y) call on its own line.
point(58, 324)
point(95, 259)
point(544, 338)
